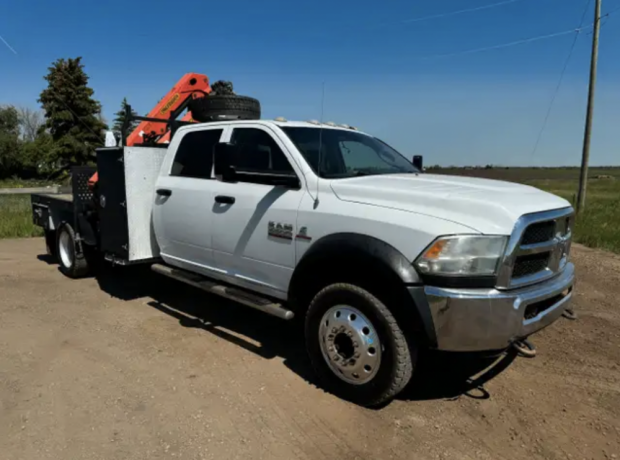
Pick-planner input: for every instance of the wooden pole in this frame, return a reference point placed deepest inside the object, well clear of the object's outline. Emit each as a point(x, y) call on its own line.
point(585, 157)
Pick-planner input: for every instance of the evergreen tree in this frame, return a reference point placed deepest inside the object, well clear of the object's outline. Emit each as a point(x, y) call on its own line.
point(37, 156)
point(119, 118)
point(72, 114)
point(10, 145)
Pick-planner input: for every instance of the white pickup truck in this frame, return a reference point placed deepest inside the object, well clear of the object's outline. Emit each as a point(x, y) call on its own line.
point(333, 226)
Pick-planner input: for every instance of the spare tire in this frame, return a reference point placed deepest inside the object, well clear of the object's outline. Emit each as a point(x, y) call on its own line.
point(224, 107)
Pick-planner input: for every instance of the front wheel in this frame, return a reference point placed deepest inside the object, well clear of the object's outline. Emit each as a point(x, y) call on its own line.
point(356, 346)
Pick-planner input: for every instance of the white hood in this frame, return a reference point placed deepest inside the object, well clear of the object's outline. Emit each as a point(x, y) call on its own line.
point(487, 206)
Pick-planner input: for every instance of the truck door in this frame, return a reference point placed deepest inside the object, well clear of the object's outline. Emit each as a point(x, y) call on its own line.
point(182, 213)
point(254, 224)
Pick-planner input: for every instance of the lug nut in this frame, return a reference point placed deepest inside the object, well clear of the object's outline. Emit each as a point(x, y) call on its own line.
point(355, 344)
point(350, 334)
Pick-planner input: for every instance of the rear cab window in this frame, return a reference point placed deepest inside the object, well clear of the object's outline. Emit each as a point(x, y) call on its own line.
point(194, 156)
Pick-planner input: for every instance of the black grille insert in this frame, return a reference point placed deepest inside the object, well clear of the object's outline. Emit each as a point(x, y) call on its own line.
point(529, 265)
point(539, 232)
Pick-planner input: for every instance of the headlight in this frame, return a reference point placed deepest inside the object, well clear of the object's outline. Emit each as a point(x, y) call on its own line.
point(466, 255)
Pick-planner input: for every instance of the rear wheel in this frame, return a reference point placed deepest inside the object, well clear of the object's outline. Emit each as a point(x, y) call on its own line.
point(73, 262)
point(356, 346)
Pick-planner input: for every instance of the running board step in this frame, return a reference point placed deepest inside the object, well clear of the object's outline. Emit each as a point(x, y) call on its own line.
point(244, 297)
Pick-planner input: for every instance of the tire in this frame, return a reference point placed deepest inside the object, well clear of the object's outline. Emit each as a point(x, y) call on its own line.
point(225, 107)
point(73, 262)
point(392, 356)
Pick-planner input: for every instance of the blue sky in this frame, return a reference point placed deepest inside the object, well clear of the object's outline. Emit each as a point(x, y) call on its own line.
point(403, 79)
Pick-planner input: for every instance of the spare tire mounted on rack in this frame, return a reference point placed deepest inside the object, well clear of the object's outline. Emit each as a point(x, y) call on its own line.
point(223, 104)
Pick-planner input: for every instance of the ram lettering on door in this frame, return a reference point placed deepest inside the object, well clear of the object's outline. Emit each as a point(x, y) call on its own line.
point(278, 230)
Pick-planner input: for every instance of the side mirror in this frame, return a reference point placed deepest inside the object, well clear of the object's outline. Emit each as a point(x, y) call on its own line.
point(224, 162)
point(418, 162)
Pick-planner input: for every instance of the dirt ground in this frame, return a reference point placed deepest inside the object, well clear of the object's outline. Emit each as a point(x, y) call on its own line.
point(135, 366)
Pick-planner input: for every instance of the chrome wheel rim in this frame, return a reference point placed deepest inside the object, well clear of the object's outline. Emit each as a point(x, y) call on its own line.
point(66, 249)
point(350, 344)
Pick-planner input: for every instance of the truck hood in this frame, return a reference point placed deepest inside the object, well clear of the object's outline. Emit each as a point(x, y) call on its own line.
point(486, 206)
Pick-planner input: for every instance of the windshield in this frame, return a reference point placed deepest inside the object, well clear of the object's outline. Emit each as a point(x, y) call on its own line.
point(347, 153)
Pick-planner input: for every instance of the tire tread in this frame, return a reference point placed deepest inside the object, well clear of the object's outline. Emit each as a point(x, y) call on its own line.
point(80, 267)
point(403, 366)
point(211, 107)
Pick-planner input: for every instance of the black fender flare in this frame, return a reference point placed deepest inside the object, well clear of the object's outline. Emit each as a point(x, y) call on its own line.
point(380, 254)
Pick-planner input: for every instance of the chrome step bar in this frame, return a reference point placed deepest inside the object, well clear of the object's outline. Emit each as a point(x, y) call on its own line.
point(249, 299)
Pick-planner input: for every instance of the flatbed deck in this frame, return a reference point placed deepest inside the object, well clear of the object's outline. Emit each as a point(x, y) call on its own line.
point(50, 209)
point(59, 196)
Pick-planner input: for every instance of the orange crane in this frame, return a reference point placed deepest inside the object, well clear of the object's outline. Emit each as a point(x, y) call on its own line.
point(187, 118)
point(151, 130)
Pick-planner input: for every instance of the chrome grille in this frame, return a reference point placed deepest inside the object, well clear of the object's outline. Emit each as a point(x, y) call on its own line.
point(537, 249)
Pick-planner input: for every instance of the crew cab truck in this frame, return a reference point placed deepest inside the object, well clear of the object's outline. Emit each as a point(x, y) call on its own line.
point(333, 226)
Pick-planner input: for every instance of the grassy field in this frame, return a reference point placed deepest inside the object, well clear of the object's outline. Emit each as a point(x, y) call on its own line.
point(598, 226)
point(15, 211)
point(20, 183)
point(16, 217)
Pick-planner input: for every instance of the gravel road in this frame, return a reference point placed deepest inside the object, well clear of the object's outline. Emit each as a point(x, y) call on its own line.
point(136, 366)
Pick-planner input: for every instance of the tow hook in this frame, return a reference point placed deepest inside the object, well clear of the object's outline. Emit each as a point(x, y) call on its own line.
point(524, 348)
point(570, 314)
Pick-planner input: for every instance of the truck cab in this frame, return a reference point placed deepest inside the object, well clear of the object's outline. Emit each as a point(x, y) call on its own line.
point(333, 226)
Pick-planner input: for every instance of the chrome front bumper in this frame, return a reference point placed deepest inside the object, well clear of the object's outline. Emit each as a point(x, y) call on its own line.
point(489, 319)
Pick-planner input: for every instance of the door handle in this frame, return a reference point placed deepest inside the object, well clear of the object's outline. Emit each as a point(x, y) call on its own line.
point(164, 192)
point(223, 199)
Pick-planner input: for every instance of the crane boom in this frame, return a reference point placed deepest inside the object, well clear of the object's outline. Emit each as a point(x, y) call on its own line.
point(166, 137)
point(190, 86)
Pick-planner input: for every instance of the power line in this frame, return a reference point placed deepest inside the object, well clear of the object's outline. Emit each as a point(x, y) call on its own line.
point(445, 15)
point(557, 88)
point(611, 12)
point(506, 45)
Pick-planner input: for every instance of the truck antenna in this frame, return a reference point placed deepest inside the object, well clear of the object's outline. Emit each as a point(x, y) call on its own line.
point(318, 168)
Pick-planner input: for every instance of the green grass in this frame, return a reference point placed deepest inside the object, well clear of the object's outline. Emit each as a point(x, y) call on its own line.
point(16, 217)
point(598, 226)
point(21, 183)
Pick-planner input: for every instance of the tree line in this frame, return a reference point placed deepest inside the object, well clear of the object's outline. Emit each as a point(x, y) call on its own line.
point(64, 133)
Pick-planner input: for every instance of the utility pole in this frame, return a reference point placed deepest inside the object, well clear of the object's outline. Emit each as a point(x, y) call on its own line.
point(585, 157)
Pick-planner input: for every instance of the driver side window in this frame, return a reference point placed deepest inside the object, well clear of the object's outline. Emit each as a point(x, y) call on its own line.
point(259, 152)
